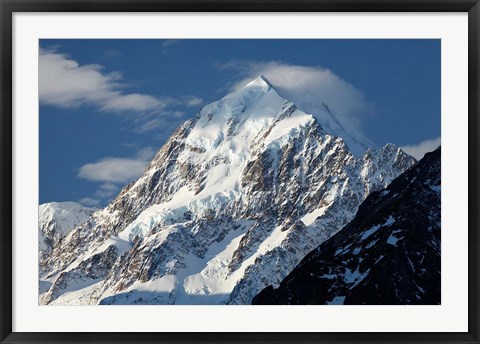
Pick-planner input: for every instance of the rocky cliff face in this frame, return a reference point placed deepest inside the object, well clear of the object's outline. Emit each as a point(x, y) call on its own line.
point(56, 220)
point(388, 254)
point(230, 204)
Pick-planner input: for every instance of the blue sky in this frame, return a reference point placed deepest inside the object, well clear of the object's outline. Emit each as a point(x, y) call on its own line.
point(106, 106)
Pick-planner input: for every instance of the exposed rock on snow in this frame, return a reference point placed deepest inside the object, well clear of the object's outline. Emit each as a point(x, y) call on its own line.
point(56, 220)
point(388, 254)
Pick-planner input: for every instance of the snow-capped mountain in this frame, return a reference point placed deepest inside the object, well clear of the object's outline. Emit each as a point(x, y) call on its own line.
point(55, 221)
point(388, 254)
point(229, 205)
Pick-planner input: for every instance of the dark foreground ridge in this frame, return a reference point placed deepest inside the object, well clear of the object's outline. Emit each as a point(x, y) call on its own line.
point(388, 254)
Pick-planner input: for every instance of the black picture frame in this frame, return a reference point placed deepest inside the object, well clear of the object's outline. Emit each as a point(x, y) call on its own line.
point(9, 7)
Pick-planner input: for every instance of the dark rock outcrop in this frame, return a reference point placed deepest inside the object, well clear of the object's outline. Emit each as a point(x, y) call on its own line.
point(388, 254)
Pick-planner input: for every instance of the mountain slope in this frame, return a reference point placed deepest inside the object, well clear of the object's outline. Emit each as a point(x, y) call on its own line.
point(55, 221)
point(388, 254)
point(230, 204)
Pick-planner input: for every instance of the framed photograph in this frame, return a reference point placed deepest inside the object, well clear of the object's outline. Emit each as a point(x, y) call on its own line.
point(239, 172)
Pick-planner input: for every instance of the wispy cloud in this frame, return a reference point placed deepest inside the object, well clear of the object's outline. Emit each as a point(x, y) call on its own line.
point(151, 125)
point(418, 150)
point(63, 82)
point(106, 190)
point(169, 42)
point(113, 173)
point(192, 101)
point(111, 54)
point(116, 170)
point(89, 202)
point(168, 119)
point(308, 87)
point(168, 45)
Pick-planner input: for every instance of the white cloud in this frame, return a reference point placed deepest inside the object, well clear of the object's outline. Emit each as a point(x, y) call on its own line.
point(419, 150)
point(308, 87)
point(167, 120)
point(89, 202)
point(135, 102)
point(63, 82)
point(146, 153)
point(117, 170)
point(152, 124)
point(106, 190)
point(112, 171)
point(192, 101)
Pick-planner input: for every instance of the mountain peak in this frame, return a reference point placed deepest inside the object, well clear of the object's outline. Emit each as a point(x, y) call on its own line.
point(260, 81)
point(264, 78)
